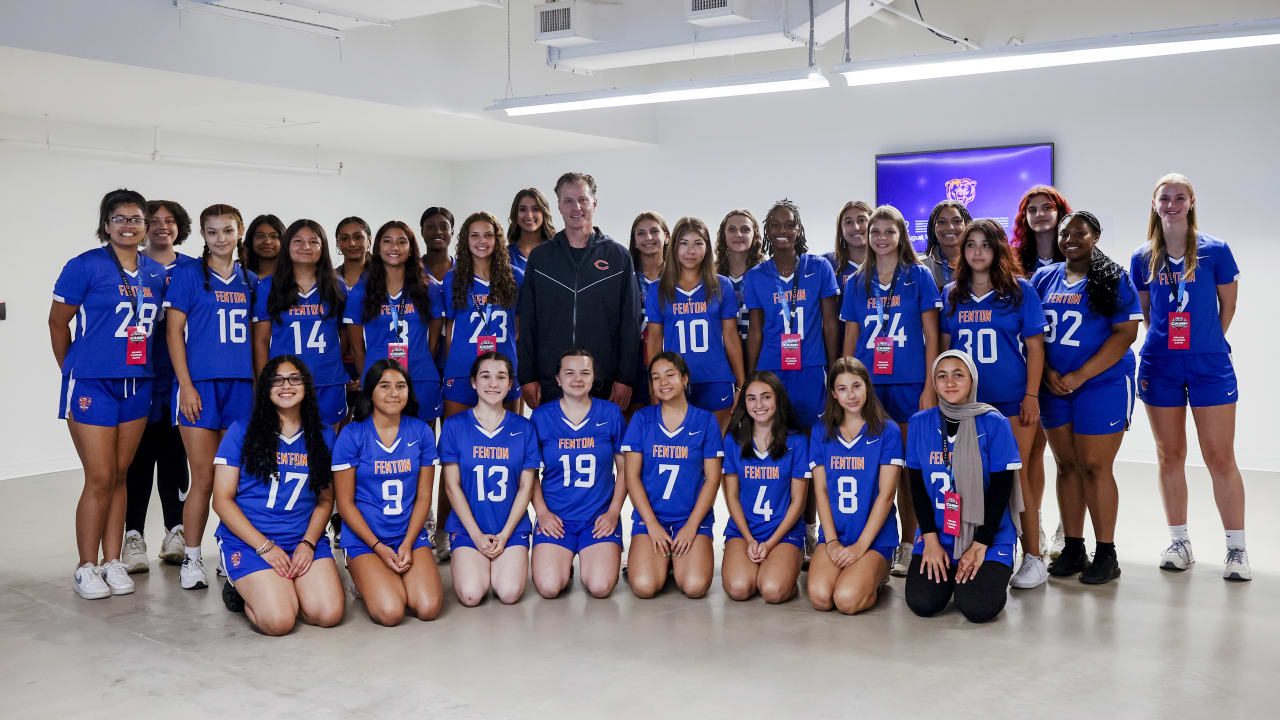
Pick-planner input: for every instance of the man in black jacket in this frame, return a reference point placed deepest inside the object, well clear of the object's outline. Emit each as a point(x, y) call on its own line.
point(578, 291)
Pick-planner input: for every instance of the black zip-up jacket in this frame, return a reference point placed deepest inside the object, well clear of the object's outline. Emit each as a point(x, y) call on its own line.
point(592, 304)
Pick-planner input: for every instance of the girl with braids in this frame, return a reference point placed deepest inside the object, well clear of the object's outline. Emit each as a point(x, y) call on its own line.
point(262, 245)
point(1188, 282)
point(273, 491)
point(480, 294)
point(690, 310)
point(354, 239)
point(436, 224)
point(530, 225)
point(766, 480)
point(890, 311)
point(856, 456)
point(113, 293)
point(209, 306)
point(160, 454)
point(995, 316)
point(298, 312)
point(851, 248)
point(384, 469)
point(649, 239)
point(1092, 310)
point(942, 251)
point(738, 243)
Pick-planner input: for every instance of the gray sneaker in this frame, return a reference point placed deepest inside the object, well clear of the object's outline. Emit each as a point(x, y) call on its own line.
point(134, 553)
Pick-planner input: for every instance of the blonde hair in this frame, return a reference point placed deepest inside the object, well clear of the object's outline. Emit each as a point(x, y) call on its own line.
point(1157, 246)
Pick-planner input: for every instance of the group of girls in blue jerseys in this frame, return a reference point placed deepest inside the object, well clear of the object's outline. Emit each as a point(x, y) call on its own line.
point(868, 413)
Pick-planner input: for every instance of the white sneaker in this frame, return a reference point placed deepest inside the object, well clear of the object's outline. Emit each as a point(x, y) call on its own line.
point(810, 544)
point(1178, 556)
point(441, 543)
point(191, 575)
point(1237, 565)
point(1059, 543)
point(117, 577)
point(134, 553)
point(218, 569)
point(1031, 573)
point(89, 583)
point(901, 560)
point(172, 549)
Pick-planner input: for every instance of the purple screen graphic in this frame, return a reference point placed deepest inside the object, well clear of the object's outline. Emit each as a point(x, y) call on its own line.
point(989, 181)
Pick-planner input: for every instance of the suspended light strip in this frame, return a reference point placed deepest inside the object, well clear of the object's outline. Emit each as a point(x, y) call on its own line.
point(1104, 49)
point(783, 81)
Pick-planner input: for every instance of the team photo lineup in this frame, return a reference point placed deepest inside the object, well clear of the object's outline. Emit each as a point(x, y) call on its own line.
point(395, 398)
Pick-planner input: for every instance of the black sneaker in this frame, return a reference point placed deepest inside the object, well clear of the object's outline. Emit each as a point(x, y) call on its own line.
point(1101, 571)
point(1072, 560)
point(231, 598)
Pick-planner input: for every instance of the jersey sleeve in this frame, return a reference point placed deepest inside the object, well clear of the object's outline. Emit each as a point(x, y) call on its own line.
point(891, 445)
point(346, 452)
point(179, 295)
point(827, 280)
point(260, 301)
point(799, 457)
point(1127, 305)
point(652, 305)
point(1225, 269)
point(728, 299)
point(712, 442)
point(72, 284)
point(518, 275)
point(1002, 448)
point(1138, 270)
point(817, 447)
point(617, 428)
point(946, 323)
point(232, 445)
point(427, 444)
point(532, 454)
point(754, 297)
point(435, 295)
point(633, 439)
point(352, 312)
point(849, 307)
point(915, 427)
point(1032, 311)
point(446, 296)
point(930, 299)
point(732, 457)
point(450, 452)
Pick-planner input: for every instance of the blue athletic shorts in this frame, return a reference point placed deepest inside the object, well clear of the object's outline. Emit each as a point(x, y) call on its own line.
point(1095, 409)
point(900, 400)
point(711, 396)
point(238, 559)
point(353, 546)
point(1174, 380)
point(459, 390)
point(463, 540)
point(1002, 554)
point(430, 401)
point(333, 403)
point(1008, 408)
point(161, 396)
point(577, 535)
point(807, 391)
point(795, 537)
point(885, 550)
point(222, 402)
point(107, 402)
point(639, 528)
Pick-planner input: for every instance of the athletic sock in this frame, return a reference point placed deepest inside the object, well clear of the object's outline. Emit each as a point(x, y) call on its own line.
point(1179, 532)
point(1235, 539)
point(193, 552)
point(1075, 543)
point(1104, 550)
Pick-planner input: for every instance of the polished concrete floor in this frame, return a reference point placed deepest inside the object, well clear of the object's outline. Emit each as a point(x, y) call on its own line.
point(1151, 644)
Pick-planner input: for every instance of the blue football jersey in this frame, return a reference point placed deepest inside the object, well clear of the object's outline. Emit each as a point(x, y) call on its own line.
point(914, 294)
point(305, 331)
point(852, 469)
point(1075, 332)
point(642, 291)
point(692, 326)
point(672, 459)
point(518, 261)
point(386, 475)
point(412, 328)
point(163, 364)
point(578, 472)
point(925, 451)
point(281, 507)
point(991, 329)
point(1215, 265)
point(489, 467)
point(218, 346)
point(812, 281)
point(478, 318)
point(764, 484)
point(107, 308)
point(842, 279)
point(744, 313)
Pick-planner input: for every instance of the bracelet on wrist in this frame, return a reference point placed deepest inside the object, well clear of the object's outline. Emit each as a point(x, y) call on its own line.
point(308, 543)
point(375, 545)
point(266, 547)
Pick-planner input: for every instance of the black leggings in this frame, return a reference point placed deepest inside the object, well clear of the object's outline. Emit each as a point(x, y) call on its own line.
point(161, 455)
point(979, 600)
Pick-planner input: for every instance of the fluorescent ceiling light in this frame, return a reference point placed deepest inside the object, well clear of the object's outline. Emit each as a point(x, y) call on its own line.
point(1126, 46)
point(782, 81)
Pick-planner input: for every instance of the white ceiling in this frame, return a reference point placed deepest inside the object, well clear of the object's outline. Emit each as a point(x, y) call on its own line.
point(343, 11)
point(93, 91)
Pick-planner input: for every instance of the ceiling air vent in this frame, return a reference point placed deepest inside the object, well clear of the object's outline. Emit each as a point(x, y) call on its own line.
point(715, 13)
point(562, 24)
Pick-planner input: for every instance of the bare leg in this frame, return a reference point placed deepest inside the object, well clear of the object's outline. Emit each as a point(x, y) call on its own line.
point(320, 596)
point(737, 572)
point(600, 565)
point(381, 588)
point(270, 601)
point(822, 579)
point(510, 573)
point(471, 576)
point(552, 565)
point(1169, 426)
point(424, 592)
point(858, 585)
point(693, 571)
point(201, 445)
point(1216, 428)
point(1032, 493)
point(1070, 483)
point(1098, 455)
point(646, 570)
point(779, 573)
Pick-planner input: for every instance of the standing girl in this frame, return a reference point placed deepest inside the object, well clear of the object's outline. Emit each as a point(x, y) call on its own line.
point(530, 225)
point(1187, 282)
point(490, 457)
point(436, 224)
point(273, 492)
point(160, 454)
point(690, 310)
point(672, 478)
point(766, 478)
point(738, 249)
point(579, 497)
point(384, 467)
point(649, 239)
point(995, 316)
point(890, 311)
point(942, 252)
point(1093, 311)
point(208, 307)
point(298, 312)
point(856, 457)
point(354, 243)
point(851, 248)
point(113, 292)
point(262, 245)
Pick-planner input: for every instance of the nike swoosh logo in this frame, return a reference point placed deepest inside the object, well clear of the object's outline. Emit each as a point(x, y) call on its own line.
point(182, 494)
point(1002, 554)
point(517, 433)
point(602, 424)
point(810, 274)
point(692, 432)
point(726, 397)
point(873, 442)
point(415, 442)
point(1116, 423)
point(1233, 392)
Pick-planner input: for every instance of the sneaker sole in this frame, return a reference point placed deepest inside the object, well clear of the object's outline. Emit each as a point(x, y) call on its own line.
point(94, 596)
point(896, 572)
point(1102, 581)
point(136, 569)
point(174, 558)
point(197, 586)
point(1030, 587)
point(1236, 577)
point(1170, 567)
point(122, 591)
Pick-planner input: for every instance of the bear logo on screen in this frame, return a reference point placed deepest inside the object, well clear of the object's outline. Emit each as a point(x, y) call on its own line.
point(962, 190)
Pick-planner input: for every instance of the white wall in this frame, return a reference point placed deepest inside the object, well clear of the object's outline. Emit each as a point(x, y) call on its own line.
point(1117, 127)
point(49, 202)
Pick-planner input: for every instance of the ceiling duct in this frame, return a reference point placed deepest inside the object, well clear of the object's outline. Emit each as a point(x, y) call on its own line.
point(717, 13)
point(563, 24)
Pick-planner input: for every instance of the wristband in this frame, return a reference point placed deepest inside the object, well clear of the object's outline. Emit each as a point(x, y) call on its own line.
point(308, 543)
point(266, 547)
point(375, 545)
